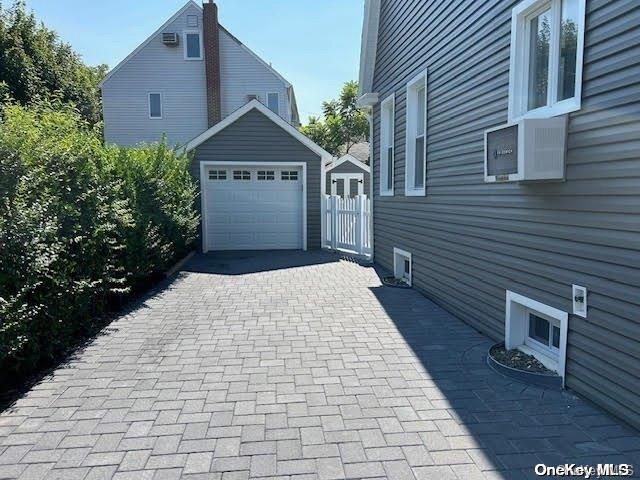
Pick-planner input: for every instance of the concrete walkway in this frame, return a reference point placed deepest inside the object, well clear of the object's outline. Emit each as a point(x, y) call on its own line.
point(294, 366)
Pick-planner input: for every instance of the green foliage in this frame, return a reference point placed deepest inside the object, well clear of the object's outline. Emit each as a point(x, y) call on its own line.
point(81, 227)
point(35, 64)
point(343, 123)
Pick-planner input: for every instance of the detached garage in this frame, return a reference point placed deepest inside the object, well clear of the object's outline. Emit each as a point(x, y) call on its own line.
point(260, 183)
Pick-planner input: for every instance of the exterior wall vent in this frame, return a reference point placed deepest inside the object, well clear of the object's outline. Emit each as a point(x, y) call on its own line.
point(579, 298)
point(529, 149)
point(170, 39)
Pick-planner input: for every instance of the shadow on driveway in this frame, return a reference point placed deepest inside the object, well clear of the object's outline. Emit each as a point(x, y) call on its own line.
point(507, 425)
point(245, 262)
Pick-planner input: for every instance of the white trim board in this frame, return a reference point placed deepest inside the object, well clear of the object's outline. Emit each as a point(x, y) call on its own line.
point(255, 104)
point(203, 195)
point(348, 158)
point(369, 45)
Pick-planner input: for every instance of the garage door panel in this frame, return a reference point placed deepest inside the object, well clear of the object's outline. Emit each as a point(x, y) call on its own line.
point(254, 214)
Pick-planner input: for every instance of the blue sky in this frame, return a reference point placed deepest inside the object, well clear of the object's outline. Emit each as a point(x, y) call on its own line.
point(315, 44)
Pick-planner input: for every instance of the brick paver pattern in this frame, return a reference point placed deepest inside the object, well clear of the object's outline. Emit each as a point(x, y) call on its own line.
point(294, 365)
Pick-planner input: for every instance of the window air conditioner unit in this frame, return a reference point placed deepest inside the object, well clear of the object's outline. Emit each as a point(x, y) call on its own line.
point(170, 39)
point(527, 150)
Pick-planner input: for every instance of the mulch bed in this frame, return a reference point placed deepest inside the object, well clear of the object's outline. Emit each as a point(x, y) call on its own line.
point(390, 281)
point(519, 360)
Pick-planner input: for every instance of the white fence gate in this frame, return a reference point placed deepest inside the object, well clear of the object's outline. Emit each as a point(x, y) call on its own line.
point(347, 223)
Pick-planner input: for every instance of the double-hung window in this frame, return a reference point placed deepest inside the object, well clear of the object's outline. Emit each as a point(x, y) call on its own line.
point(387, 121)
point(547, 43)
point(273, 102)
point(192, 45)
point(155, 105)
point(416, 147)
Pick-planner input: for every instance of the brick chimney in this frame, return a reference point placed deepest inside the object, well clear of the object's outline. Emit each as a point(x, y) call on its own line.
point(211, 42)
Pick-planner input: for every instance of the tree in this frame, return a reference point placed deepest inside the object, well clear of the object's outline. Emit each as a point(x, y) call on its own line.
point(342, 124)
point(36, 65)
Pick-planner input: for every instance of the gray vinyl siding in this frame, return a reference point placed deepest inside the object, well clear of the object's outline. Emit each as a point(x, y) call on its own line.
point(255, 138)
point(348, 167)
point(471, 241)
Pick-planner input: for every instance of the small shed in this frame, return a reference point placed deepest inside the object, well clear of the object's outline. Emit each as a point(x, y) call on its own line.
point(347, 177)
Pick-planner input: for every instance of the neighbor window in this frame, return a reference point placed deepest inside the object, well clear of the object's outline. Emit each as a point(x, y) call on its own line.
point(155, 105)
point(192, 46)
point(266, 175)
point(387, 110)
point(241, 175)
point(289, 175)
point(192, 20)
point(416, 146)
point(217, 174)
point(547, 45)
point(273, 102)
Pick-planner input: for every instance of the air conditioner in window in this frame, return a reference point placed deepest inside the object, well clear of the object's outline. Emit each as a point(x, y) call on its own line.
point(170, 39)
point(527, 150)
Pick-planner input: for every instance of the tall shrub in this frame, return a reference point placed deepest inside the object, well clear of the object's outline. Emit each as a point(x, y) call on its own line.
point(80, 226)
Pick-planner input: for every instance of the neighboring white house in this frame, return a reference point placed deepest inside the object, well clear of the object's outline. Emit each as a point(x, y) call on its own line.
point(188, 75)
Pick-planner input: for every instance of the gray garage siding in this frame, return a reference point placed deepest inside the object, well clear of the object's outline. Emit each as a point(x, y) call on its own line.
point(470, 240)
point(255, 138)
point(348, 167)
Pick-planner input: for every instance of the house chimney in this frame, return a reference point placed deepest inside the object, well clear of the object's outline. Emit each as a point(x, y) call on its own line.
point(211, 40)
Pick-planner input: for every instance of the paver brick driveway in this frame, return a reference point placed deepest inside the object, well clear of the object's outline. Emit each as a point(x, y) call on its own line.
point(294, 365)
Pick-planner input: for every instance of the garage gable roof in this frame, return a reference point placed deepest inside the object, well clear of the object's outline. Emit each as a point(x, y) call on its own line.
point(256, 105)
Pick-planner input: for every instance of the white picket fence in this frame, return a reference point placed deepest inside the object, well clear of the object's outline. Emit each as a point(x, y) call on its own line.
point(348, 223)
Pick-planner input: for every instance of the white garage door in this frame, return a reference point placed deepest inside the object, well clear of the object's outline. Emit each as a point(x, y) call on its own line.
point(253, 208)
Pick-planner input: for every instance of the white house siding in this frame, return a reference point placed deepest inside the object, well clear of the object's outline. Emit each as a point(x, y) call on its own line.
point(157, 68)
point(242, 74)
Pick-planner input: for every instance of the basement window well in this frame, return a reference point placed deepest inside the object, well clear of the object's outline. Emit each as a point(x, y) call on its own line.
point(538, 330)
point(402, 265)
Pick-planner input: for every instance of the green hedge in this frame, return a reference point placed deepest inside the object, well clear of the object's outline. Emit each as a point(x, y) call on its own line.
point(82, 226)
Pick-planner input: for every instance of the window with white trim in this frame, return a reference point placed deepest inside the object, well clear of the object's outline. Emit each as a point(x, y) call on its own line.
point(266, 175)
point(273, 102)
point(192, 45)
point(155, 105)
point(289, 175)
point(217, 174)
point(543, 334)
point(387, 121)
point(241, 175)
point(416, 146)
point(547, 44)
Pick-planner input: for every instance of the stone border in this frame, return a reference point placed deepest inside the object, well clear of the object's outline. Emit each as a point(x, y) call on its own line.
point(553, 382)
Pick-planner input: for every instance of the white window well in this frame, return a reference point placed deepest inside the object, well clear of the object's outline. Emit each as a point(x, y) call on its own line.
point(217, 174)
point(192, 45)
point(273, 102)
point(538, 330)
point(387, 133)
point(155, 105)
point(402, 265)
point(241, 175)
point(416, 146)
point(547, 45)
